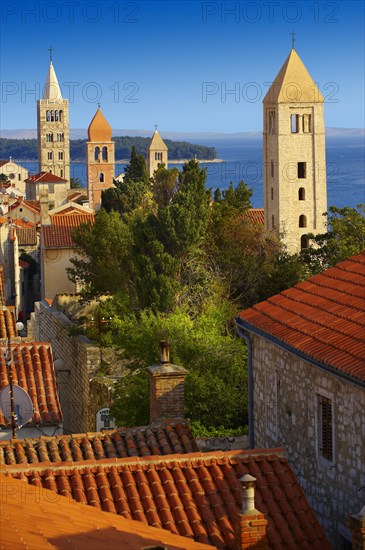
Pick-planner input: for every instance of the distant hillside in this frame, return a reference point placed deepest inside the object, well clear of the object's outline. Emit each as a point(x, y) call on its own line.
point(27, 149)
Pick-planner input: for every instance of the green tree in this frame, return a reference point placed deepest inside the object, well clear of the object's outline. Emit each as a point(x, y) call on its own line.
point(216, 387)
point(165, 185)
point(345, 237)
point(75, 183)
point(136, 170)
point(103, 261)
point(4, 180)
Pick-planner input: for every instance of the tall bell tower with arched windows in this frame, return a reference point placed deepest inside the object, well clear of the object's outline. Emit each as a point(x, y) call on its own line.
point(100, 158)
point(295, 191)
point(53, 128)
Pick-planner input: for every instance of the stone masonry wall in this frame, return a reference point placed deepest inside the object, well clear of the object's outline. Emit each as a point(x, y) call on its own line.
point(80, 355)
point(286, 390)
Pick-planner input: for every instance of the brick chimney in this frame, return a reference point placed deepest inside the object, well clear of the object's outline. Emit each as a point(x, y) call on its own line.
point(44, 205)
point(356, 524)
point(251, 524)
point(167, 383)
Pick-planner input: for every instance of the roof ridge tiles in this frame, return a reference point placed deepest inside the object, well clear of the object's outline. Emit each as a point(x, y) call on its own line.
point(329, 313)
point(137, 461)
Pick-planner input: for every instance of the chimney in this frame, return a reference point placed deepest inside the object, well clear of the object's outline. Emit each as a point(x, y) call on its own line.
point(44, 202)
point(251, 524)
point(356, 524)
point(166, 387)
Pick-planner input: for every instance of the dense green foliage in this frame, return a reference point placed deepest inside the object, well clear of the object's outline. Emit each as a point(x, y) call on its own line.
point(345, 237)
point(27, 149)
point(178, 267)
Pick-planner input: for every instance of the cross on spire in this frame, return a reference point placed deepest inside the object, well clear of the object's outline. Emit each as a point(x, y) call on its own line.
point(50, 53)
point(292, 39)
point(156, 127)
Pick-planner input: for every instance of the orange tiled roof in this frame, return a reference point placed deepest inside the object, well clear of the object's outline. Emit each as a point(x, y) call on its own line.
point(43, 521)
point(256, 215)
point(2, 162)
point(33, 370)
point(7, 321)
point(77, 195)
point(44, 177)
point(197, 496)
point(58, 234)
point(33, 206)
point(322, 318)
point(170, 437)
point(26, 236)
point(69, 211)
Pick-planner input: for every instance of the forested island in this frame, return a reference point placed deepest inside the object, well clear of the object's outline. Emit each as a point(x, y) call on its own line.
point(27, 149)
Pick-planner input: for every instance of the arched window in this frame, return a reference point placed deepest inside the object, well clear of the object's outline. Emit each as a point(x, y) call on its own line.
point(49, 155)
point(156, 156)
point(303, 242)
point(48, 116)
point(101, 177)
point(272, 222)
point(104, 154)
point(49, 137)
point(56, 116)
point(302, 221)
point(301, 194)
point(61, 173)
point(60, 115)
point(96, 153)
point(52, 116)
point(272, 193)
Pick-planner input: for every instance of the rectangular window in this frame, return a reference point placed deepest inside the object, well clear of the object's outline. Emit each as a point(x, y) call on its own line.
point(307, 124)
point(272, 169)
point(294, 123)
point(19, 177)
point(325, 427)
point(302, 170)
point(271, 122)
point(49, 155)
point(60, 155)
point(51, 188)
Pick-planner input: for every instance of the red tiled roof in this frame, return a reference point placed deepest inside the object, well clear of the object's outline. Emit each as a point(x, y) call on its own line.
point(58, 235)
point(44, 177)
point(26, 236)
point(2, 162)
point(77, 195)
point(7, 321)
point(125, 442)
point(39, 520)
point(322, 318)
point(33, 370)
point(196, 496)
point(256, 215)
point(33, 206)
point(69, 211)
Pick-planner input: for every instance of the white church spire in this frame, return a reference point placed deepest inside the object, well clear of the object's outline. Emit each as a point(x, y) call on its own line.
point(52, 89)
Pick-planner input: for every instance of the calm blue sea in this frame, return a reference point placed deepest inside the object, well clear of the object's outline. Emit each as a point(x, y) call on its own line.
point(345, 169)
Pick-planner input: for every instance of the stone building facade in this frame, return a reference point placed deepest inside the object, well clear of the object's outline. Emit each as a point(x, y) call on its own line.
point(295, 193)
point(307, 388)
point(16, 173)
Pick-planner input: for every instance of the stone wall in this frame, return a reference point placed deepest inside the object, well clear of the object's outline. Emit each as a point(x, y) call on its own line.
point(83, 363)
point(227, 443)
point(286, 414)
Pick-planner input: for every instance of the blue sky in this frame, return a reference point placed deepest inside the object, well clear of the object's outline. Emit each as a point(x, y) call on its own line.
point(172, 63)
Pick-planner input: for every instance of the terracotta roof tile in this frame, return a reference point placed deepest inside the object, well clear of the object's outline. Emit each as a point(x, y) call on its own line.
point(323, 317)
point(32, 369)
point(59, 233)
point(43, 521)
point(26, 236)
point(255, 215)
point(100, 445)
point(7, 321)
point(45, 177)
point(193, 495)
point(33, 206)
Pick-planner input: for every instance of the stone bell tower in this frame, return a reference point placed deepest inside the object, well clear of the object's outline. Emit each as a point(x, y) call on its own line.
point(53, 129)
point(156, 153)
point(295, 192)
point(100, 158)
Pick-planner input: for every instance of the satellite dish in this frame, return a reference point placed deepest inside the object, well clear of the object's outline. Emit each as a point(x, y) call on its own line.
point(23, 406)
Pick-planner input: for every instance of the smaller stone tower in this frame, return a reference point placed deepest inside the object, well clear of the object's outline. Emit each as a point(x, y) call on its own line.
point(157, 153)
point(100, 159)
